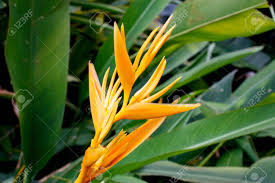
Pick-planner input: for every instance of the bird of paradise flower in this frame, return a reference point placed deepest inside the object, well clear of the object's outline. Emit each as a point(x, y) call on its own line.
point(104, 103)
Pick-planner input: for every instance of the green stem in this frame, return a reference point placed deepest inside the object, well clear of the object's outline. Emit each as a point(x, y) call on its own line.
point(203, 162)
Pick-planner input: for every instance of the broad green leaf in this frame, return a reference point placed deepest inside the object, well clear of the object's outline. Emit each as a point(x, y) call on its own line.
point(174, 121)
point(221, 90)
point(188, 158)
point(37, 57)
point(254, 89)
point(240, 25)
point(197, 21)
point(268, 100)
point(270, 132)
point(217, 93)
point(232, 157)
point(181, 55)
point(197, 60)
point(178, 172)
point(207, 67)
point(199, 134)
point(251, 92)
point(255, 62)
point(136, 19)
point(125, 179)
point(260, 172)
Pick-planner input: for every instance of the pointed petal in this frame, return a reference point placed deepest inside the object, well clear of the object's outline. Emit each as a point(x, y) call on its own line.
point(161, 92)
point(148, 57)
point(104, 83)
point(161, 42)
point(108, 121)
point(151, 84)
point(160, 33)
point(143, 47)
point(116, 140)
point(93, 75)
point(96, 105)
point(123, 64)
point(139, 111)
point(122, 32)
point(110, 88)
point(114, 98)
point(114, 91)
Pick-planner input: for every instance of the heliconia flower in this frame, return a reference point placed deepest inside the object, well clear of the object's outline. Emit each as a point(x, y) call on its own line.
point(104, 102)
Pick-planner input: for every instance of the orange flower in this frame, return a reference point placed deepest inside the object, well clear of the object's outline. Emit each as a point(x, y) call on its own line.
point(104, 104)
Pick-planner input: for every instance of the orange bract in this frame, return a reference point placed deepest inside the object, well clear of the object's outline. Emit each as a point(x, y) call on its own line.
point(104, 102)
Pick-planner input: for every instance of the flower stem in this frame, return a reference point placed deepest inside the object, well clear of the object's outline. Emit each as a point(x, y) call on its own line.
point(211, 154)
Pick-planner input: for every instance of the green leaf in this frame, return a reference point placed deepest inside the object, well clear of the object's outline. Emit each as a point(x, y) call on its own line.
point(199, 134)
point(37, 57)
point(217, 93)
point(125, 179)
point(194, 174)
point(254, 62)
point(197, 22)
point(254, 89)
point(232, 157)
point(239, 25)
point(268, 100)
point(207, 67)
point(251, 92)
point(260, 172)
point(263, 170)
point(270, 132)
point(181, 55)
point(174, 121)
point(247, 145)
point(221, 90)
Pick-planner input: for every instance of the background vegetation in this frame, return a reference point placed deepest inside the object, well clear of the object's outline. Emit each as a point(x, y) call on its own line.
point(224, 51)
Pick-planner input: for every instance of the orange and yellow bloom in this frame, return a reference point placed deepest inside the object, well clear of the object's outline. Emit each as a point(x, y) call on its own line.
point(105, 99)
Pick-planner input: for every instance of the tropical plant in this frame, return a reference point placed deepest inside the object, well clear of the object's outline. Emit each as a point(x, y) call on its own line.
point(219, 54)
